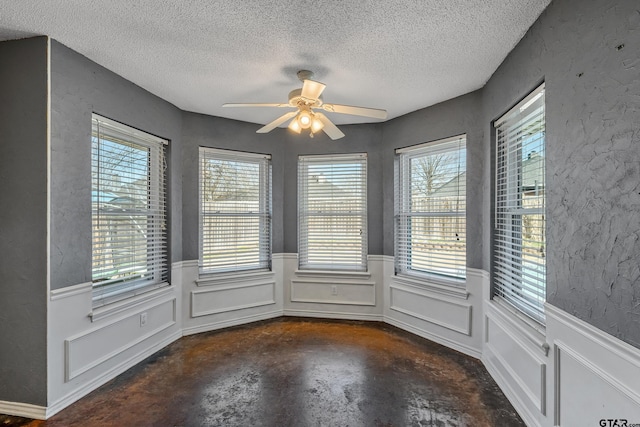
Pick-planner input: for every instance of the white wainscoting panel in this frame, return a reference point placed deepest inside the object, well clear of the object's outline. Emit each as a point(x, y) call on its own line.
point(84, 353)
point(336, 291)
point(94, 347)
point(447, 313)
point(333, 294)
point(221, 299)
point(431, 307)
point(597, 375)
point(520, 364)
point(218, 301)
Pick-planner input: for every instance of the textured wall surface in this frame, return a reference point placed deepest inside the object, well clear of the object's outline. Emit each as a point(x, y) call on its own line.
point(80, 87)
point(23, 221)
point(588, 53)
point(454, 117)
point(214, 132)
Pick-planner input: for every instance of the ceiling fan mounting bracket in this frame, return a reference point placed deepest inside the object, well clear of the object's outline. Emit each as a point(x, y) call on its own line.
point(305, 75)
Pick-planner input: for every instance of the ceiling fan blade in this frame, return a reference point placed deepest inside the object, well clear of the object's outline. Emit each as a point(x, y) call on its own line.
point(256, 105)
point(329, 128)
point(312, 89)
point(355, 111)
point(277, 122)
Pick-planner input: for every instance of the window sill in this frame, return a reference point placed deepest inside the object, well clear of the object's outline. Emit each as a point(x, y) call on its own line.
point(212, 279)
point(449, 287)
point(110, 309)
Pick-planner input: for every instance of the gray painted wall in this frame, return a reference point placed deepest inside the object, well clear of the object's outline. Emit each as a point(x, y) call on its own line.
point(454, 117)
point(593, 154)
point(199, 130)
point(80, 87)
point(23, 221)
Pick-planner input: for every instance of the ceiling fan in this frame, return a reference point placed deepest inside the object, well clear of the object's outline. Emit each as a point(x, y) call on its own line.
point(307, 101)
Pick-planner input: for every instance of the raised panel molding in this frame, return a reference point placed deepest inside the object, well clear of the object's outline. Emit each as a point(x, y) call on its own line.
point(221, 299)
point(523, 366)
point(334, 291)
point(448, 313)
point(573, 373)
point(92, 348)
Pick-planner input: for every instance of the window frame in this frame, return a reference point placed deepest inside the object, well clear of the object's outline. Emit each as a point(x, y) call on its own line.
point(264, 213)
point(305, 250)
point(524, 290)
point(155, 210)
point(405, 213)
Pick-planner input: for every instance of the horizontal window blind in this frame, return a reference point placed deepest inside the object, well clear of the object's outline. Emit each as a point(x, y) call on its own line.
point(519, 267)
point(235, 211)
point(129, 241)
point(332, 212)
point(430, 209)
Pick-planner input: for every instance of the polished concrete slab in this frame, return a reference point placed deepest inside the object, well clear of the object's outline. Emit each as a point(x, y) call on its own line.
point(296, 372)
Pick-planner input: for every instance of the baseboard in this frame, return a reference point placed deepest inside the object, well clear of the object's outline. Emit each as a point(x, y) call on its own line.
point(333, 315)
point(23, 410)
point(228, 323)
point(79, 393)
point(469, 351)
point(512, 396)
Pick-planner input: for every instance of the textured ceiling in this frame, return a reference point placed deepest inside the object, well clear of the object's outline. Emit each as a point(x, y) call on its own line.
point(392, 54)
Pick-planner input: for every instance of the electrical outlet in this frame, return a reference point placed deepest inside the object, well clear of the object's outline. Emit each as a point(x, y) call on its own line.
point(143, 319)
point(334, 290)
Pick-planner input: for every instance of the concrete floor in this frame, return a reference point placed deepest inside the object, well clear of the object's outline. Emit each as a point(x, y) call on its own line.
point(296, 372)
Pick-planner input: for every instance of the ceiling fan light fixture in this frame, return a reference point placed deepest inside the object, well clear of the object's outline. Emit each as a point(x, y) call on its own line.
point(305, 119)
point(316, 125)
point(295, 126)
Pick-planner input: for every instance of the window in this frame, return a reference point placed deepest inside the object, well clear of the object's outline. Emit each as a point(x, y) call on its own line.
point(235, 211)
point(129, 240)
point(430, 209)
point(519, 231)
point(332, 212)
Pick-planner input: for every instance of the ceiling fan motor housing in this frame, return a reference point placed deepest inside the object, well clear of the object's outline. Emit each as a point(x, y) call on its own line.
point(297, 100)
